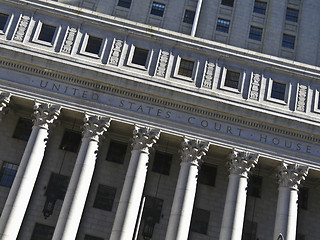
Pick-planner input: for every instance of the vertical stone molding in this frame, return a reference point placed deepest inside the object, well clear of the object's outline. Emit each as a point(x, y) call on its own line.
point(208, 75)
point(162, 63)
point(290, 177)
point(255, 86)
point(302, 98)
point(180, 217)
point(69, 41)
point(21, 190)
point(76, 195)
point(128, 208)
point(116, 52)
point(240, 164)
point(4, 101)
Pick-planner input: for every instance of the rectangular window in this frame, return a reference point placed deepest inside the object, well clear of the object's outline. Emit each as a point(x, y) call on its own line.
point(227, 2)
point(223, 25)
point(140, 56)
point(200, 220)
point(124, 3)
point(89, 237)
point(278, 90)
point(7, 174)
point(157, 9)
point(117, 152)
point(232, 79)
point(255, 33)
point(47, 33)
point(254, 186)
point(288, 41)
point(188, 16)
point(57, 186)
point(70, 141)
point(292, 15)
point(93, 44)
point(260, 7)
point(303, 198)
point(3, 20)
point(104, 197)
point(186, 68)
point(162, 163)
point(207, 174)
point(42, 232)
point(23, 129)
point(249, 230)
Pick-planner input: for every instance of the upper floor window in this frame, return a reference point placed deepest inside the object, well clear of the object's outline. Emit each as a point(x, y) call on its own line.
point(254, 186)
point(162, 163)
point(288, 41)
point(105, 197)
point(7, 174)
point(57, 186)
point(188, 16)
point(140, 56)
point(278, 90)
point(117, 152)
point(255, 33)
point(200, 220)
point(3, 20)
point(207, 174)
point(89, 237)
point(249, 230)
point(157, 9)
point(42, 232)
point(93, 44)
point(303, 198)
point(232, 79)
point(223, 25)
point(186, 67)
point(47, 33)
point(227, 2)
point(70, 141)
point(124, 3)
point(23, 129)
point(260, 7)
point(292, 15)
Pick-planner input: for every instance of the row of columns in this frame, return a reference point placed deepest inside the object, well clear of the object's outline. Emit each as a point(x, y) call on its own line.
point(240, 164)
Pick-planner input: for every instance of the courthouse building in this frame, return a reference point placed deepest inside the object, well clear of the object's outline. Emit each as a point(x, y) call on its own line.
point(162, 120)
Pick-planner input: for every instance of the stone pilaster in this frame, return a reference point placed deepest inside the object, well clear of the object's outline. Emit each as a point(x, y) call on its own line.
point(4, 101)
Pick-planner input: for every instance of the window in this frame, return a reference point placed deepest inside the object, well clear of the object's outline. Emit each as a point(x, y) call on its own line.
point(249, 230)
point(70, 141)
point(303, 198)
point(188, 16)
point(89, 237)
point(254, 186)
point(157, 9)
point(93, 45)
point(227, 2)
point(7, 174)
point(232, 79)
point(319, 102)
point(42, 232)
point(104, 198)
point(140, 56)
point(288, 41)
point(278, 90)
point(223, 25)
point(186, 68)
point(124, 3)
point(200, 220)
point(162, 163)
point(260, 7)
point(292, 15)
point(255, 33)
point(23, 129)
point(151, 215)
point(3, 20)
point(47, 33)
point(117, 152)
point(57, 186)
point(207, 174)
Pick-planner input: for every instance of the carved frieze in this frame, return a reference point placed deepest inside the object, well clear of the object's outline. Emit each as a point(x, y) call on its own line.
point(208, 75)
point(95, 126)
point(22, 28)
point(193, 150)
point(291, 175)
point(144, 138)
point(69, 41)
point(116, 52)
point(255, 86)
point(162, 64)
point(241, 162)
point(45, 114)
point(302, 98)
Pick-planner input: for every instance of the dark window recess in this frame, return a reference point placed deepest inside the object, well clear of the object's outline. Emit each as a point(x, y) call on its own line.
point(260, 7)
point(151, 215)
point(188, 16)
point(288, 41)
point(140, 56)
point(249, 230)
point(227, 2)
point(42, 232)
point(93, 45)
point(319, 102)
point(117, 152)
point(56, 189)
point(207, 174)
point(300, 237)
point(23, 129)
point(162, 163)
point(292, 15)
point(104, 197)
point(124, 3)
point(3, 20)
point(157, 9)
point(303, 198)
point(223, 25)
point(7, 174)
point(232, 79)
point(89, 237)
point(200, 220)
point(254, 186)
point(186, 68)
point(46, 33)
point(255, 33)
point(278, 90)
point(70, 141)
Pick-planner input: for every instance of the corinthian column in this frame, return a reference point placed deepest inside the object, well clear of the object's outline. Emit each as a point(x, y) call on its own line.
point(20, 192)
point(128, 208)
point(76, 195)
point(181, 211)
point(4, 101)
point(233, 215)
point(290, 177)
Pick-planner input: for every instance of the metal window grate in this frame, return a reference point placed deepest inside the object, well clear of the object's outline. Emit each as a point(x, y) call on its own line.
point(255, 33)
point(186, 68)
point(157, 9)
point(260, 7)
point(223, 25)
point(288, 41)
point(232, 79)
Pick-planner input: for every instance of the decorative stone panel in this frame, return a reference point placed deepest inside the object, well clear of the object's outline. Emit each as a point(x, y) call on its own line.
point(208, 75)
point(255, 86)
point(162, 64)
point(22, 28)
point(116, 52)
point(302, 98)
point(69, 41)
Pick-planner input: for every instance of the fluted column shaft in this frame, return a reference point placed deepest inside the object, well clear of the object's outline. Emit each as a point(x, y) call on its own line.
point(234, 208)
point(78, 188)
point(23, 184)
point(181, 211)
point(128, 208)
point(290, 177)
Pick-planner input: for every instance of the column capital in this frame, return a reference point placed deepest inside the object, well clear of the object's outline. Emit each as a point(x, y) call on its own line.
point(193, 150)
point(144, 138)
point(4, 101)
point(291, 175)
point(95, 126)
point(241, 162)
point(45, 114)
